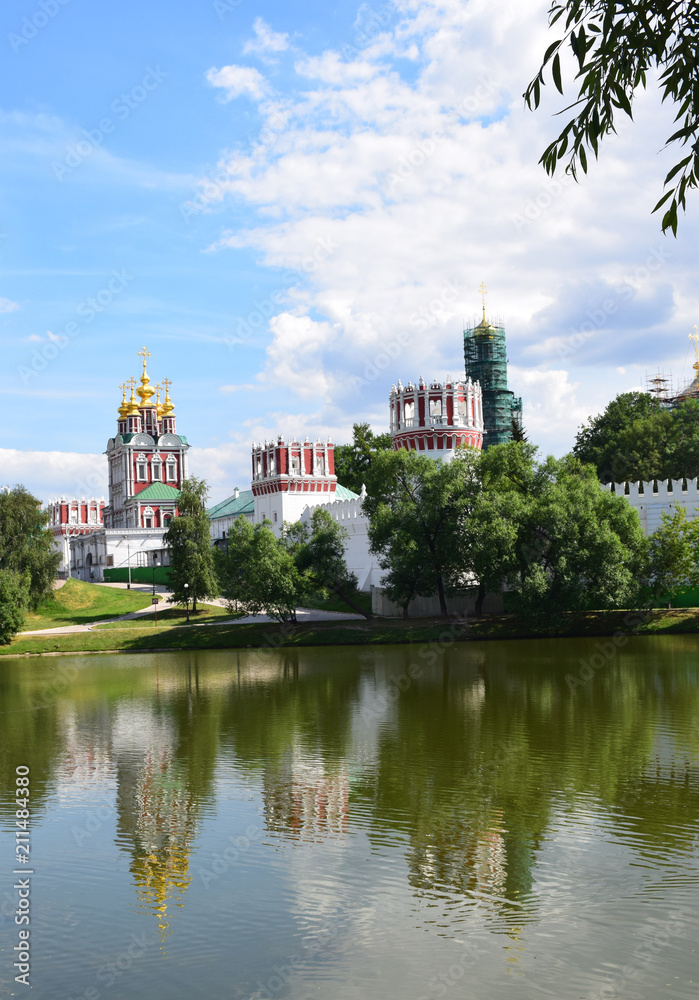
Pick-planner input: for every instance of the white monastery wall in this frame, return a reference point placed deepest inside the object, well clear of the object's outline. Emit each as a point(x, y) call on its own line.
point(359, 559)
point(652, 498)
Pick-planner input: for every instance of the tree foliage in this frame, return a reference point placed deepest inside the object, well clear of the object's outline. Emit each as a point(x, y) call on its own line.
point(26, 543)
point(319, 553)
point(638, 439)
point(353, 461)
point(674, 553)
point(189, 543)
point(616, 45)
point(14, 597)
point(258, 573)
point(576, 546)
point(417, 509)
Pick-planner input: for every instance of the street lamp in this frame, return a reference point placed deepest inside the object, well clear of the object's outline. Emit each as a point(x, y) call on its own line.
point(155, 563)
point(186, 598)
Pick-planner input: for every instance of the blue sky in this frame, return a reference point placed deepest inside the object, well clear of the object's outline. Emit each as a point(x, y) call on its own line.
point(293, 206)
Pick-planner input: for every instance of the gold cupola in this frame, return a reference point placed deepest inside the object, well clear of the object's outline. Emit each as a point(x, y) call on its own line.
point(132, 405)
point(123, 410)
point(168, 406)
point(146, 390)
point(158, 404)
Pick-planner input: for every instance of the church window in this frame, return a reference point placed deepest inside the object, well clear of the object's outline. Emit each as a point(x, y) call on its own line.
point(409, 410)
point(435, 407)
point(73, 515)
point(156, 468)
point(141, 469)
point(171, 470)
point(148, 517)
point(295, 466)
point(272, 468)
point(92, 515)
point(259, 468)
point(320, 465)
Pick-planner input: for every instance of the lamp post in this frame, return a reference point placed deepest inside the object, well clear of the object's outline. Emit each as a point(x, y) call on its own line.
point(155, 563)
point(186, 598)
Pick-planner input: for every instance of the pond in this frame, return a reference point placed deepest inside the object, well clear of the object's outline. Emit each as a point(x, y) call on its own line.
point(483, 820)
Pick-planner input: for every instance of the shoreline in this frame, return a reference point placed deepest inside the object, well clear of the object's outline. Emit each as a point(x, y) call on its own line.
point(378, 631)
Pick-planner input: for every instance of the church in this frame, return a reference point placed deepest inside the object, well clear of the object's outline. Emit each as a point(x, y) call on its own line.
point(147, 463)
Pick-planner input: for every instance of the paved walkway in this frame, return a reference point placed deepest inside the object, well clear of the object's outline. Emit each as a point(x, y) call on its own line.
point(302, 614)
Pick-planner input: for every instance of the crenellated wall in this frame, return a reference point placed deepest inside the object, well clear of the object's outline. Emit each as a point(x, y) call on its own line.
point(652, 498)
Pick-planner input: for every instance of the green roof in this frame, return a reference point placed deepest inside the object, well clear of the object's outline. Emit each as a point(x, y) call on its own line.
point(157, 491)
point(342, 493)
point(244, 503)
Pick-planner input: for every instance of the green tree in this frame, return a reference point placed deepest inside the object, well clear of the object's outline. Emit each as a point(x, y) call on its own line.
point(258, 572)
point(638, 439)
point(577, 546)
point(353, 461)
point(616, 47)
point(26, 544)
point(417, 508)
point(319, 553)
point(14, 596)
point(189, 544)
point(674, 553)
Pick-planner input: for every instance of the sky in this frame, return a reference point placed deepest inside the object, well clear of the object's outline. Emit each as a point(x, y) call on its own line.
point(292, 206)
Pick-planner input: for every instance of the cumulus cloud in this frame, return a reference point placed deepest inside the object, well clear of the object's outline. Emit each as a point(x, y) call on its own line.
point(49, 474)
point(239, 81)
point(426, 181)
point(266, 40)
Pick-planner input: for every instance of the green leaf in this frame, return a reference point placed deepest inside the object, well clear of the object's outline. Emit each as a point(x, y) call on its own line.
point(556, 71)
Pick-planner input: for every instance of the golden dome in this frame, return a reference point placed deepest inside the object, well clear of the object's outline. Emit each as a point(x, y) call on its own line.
point(132, 410)
point(168, 406)
point(123, 410)
point(158, 404)
point(146, 390)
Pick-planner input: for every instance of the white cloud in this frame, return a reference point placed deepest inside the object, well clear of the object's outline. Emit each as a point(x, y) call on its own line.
point(8, 306)
point(49, 474)
point(429, 182)
point(238, 81)
point(266, 40)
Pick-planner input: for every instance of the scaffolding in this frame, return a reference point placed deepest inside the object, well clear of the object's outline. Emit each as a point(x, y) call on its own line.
point(485, 355)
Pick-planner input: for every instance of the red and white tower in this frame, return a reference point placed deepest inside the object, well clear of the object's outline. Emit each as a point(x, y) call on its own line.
point(147, 458)
point(286, 477)
point(436, 419)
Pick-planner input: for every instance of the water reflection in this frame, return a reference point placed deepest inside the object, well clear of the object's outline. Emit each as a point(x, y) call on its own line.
point(477, 765)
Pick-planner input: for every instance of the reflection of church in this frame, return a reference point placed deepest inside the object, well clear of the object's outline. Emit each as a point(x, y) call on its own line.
point(303, 798)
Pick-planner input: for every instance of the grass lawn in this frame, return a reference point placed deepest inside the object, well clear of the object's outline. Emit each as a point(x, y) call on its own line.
point(334, 603)
point(78, 603)
point(379, 631)
point(174, 616)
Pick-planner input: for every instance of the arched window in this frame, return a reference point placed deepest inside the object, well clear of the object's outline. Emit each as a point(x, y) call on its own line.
point(141, 469)
point(435, 407)
point(409, 410)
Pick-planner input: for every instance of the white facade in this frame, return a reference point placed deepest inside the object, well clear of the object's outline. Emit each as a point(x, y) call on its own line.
point(359, 559)
point(438, 418)
point(289, 476)
point(652, 498)
point(115, 548)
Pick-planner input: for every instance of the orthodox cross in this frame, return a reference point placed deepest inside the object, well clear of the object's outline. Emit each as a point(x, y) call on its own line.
point(144, 355)
point(483, 290)
point(167, 383)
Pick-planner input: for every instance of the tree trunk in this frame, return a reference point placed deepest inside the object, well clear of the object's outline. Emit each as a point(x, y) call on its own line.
point(442, 598)
point(479, 600)
point(351, 603)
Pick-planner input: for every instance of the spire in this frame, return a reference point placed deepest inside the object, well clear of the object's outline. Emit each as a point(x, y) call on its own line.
point(123, 410)
point(132, 404)
point(167, 408)
point(484, 291)
point(695, 337)
point(146, 390)
point(158, 407)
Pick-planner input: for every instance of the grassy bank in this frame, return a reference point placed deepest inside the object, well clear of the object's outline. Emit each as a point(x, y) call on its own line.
point(347, 633)
point(78, 603)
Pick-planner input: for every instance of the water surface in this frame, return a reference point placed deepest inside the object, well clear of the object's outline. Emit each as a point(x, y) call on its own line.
point(486, 820)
